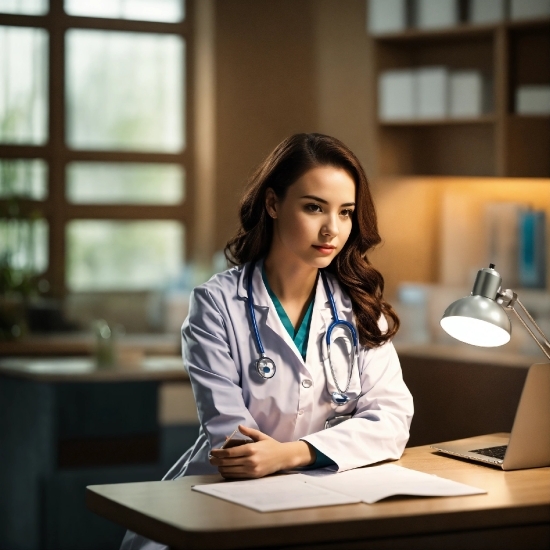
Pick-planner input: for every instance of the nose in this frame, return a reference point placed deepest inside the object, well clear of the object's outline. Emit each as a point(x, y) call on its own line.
point(330, 228)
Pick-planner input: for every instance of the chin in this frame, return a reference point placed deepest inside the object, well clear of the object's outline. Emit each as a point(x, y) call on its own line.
point(321, 263)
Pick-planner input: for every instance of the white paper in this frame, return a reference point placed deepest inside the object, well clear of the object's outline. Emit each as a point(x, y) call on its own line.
point(377, 482)
point(272, 494)
point(325, 488)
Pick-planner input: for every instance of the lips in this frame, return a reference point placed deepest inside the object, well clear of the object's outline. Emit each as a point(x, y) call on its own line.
point(326, 248)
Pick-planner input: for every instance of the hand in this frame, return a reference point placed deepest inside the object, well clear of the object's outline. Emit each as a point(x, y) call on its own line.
point(262, 457)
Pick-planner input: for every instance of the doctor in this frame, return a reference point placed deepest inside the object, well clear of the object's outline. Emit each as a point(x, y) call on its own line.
point(255, 341)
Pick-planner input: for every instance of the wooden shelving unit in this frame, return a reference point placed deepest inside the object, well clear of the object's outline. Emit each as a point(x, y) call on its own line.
point(499, 143)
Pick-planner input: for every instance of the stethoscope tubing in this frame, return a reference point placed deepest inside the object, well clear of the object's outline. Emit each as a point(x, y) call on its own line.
point(336, 320)
point(251, 312)
point(340, 397)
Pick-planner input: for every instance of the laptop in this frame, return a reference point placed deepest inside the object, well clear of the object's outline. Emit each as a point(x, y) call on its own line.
point(528, 446)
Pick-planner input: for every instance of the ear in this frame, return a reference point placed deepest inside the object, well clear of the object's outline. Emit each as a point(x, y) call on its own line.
point(271, 203)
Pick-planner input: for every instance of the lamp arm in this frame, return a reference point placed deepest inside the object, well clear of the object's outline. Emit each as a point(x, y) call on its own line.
point(530, 331)
point(534, 323)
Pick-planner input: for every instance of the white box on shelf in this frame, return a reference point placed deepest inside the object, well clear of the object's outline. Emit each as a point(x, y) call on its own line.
point(431, 14)
point(396, 95)
point(466, 94)
point(386, 16)
point(486, 11)
point(527, 9)
point(432, 92)
point(533, 99)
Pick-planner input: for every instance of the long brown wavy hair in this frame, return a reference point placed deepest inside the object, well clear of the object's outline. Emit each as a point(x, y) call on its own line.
point(360, 280)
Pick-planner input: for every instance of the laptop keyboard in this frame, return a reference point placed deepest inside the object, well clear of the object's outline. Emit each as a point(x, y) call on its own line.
point(494, 452)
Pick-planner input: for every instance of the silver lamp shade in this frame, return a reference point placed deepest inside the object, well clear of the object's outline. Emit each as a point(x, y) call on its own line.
point(478, 319)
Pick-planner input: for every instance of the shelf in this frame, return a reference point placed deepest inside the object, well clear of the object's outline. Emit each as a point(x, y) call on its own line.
point(447, 33)
point(465, 30)
point(485, 119)
point(528, 24)
point(526, 118)
point(501, 143)
point(439, 149)
point(476, 53)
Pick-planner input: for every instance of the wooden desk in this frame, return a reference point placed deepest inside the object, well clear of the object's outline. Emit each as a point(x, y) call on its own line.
point(514, 514)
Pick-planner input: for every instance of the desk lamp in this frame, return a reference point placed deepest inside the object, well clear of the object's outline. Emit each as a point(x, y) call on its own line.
point(481, 320)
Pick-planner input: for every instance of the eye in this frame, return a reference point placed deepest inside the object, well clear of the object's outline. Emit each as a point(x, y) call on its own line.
point(312, 207)
point(347, 212)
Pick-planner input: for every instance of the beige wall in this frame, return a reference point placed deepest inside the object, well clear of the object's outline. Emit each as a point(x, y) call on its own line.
point(343, 76)
point(265, 90)
point(434, 231)
point(285, 66)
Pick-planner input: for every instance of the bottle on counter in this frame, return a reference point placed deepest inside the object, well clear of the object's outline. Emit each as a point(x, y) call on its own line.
point(105, 352)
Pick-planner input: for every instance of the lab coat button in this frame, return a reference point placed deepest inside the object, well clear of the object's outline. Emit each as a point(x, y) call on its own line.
point(301, 411)
point(307, 383)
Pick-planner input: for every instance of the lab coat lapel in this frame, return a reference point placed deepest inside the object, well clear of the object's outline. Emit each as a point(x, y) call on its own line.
point(266, 314)
point(320, 320)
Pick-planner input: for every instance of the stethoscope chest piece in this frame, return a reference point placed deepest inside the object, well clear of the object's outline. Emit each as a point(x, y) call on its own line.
point(265, 367)
point(339, 398)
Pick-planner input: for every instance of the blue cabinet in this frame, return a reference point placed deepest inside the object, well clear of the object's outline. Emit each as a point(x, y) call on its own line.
point(58, 437)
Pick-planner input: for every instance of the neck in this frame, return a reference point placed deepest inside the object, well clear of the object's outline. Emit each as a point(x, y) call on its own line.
point(291, 281)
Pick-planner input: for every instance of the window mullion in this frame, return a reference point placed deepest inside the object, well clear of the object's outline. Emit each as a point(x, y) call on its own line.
point(56, 151)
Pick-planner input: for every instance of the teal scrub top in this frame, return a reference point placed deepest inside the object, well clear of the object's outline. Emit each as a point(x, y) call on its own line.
point(300, 337)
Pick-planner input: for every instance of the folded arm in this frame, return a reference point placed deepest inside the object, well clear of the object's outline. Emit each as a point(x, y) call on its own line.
point(379, 428)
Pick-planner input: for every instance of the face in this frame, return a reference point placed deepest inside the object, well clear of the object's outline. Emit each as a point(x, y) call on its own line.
point(313, 222)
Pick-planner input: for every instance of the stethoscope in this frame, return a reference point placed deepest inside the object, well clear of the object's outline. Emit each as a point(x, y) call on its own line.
point(266, 367)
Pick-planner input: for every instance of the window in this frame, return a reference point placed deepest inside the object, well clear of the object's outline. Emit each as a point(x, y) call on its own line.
point(94, 153)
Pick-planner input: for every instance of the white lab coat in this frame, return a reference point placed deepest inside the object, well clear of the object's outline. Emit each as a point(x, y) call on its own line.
point(219, 352)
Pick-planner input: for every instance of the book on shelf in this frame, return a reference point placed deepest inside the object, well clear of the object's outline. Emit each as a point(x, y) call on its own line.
point(532, 249)
point(502, 229)
point(516, 244)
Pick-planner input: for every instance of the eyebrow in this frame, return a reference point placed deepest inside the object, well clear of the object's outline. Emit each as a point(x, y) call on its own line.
point(319, 199)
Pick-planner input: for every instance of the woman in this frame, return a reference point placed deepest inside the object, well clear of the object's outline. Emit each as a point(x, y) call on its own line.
point(307, 222)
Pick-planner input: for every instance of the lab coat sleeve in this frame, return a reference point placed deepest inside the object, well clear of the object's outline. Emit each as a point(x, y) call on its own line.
point(214, 375)
point(379, 428)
